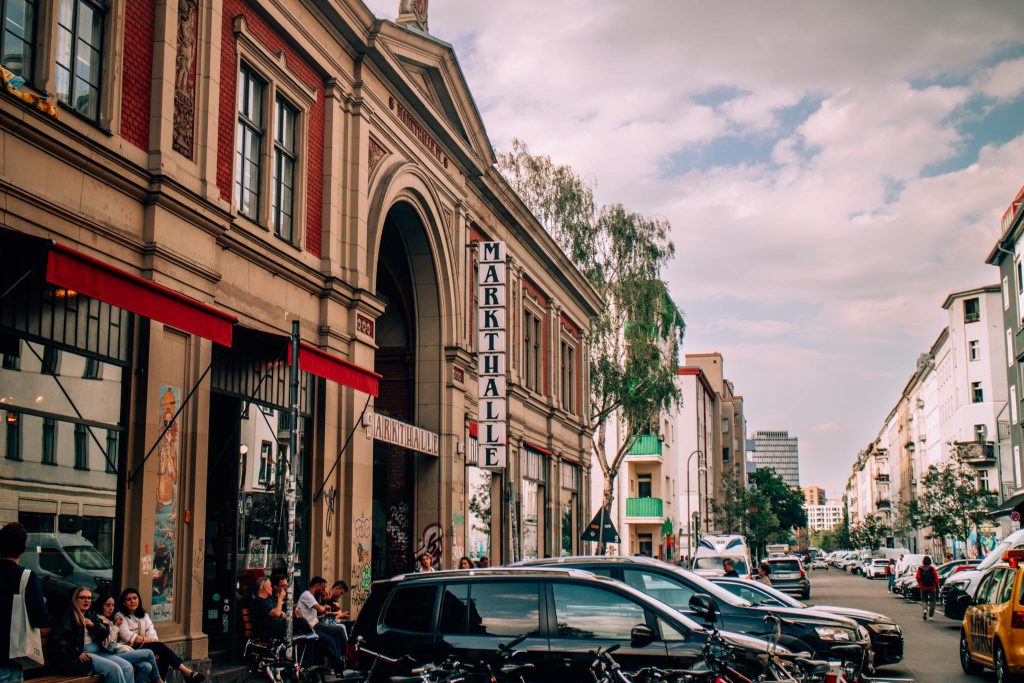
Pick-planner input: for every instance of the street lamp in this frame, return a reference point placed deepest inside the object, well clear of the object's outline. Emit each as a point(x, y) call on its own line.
point(701, 466)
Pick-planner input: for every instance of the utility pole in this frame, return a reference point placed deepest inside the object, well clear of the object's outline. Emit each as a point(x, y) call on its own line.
point(289, 487)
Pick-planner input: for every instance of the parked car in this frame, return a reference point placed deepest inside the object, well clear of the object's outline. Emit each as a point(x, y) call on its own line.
point(878, 568)
point(788, 575)
point(990, 635)
point(886, 635)
point(565, 613)
point(818, 563)
point(802, 630)
point(966, 582)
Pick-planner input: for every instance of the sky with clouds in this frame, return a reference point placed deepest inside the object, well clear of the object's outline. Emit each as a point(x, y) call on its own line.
point(831, 171)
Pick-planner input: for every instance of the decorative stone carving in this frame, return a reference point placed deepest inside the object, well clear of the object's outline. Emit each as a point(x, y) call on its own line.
point(414, 13)
point(183, 137)
point(364, 325)
point(376, 153)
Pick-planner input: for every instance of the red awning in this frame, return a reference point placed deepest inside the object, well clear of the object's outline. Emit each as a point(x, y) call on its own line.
point(76, 271)
point(534, 447)
point(323, 364)
point(474, 430)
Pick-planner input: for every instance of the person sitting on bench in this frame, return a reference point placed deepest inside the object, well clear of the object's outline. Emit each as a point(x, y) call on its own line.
point(138, 631)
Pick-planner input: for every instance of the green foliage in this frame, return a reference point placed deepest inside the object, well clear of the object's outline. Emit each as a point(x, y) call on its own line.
point(870, 533)
point(950, 502)
point(786, 503)
point(480, 507)
point(767, 511)
point(635, 338)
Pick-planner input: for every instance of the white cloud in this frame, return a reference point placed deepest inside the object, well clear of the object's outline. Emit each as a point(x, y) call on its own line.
point(1004, 81)
point(817, 257)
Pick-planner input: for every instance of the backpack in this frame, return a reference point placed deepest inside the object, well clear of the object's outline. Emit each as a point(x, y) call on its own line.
point(929, 577)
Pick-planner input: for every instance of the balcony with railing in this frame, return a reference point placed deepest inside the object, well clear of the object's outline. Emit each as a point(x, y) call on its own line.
point(882, 503)
point(977, 453)
point(647, 448)
point(639, 510)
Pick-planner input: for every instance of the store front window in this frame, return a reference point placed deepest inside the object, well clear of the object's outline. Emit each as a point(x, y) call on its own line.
point(58, 473)
point(478, 505)
point(532, 504)
point(248, 451)
point(570, 475)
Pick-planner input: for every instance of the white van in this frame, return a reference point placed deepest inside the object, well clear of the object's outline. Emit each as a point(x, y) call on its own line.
point(63, 562)
point(713, 550)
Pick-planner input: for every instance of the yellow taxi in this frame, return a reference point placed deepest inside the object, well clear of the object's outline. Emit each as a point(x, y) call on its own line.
point(992, 633)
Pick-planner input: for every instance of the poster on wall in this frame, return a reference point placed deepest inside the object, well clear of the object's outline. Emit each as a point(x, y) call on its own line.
point(166, 520)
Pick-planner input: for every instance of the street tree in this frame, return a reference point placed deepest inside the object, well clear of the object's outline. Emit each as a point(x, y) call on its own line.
point(635, 338)
point(870, 533)
point(786, 503)
point(950, 502)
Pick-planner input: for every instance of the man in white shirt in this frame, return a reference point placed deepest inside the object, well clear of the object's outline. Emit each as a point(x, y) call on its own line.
point(332, 634)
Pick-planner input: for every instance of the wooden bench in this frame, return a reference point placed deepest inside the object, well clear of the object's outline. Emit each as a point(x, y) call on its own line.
point(48, 673)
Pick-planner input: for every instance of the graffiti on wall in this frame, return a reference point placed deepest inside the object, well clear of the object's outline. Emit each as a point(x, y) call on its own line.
point(166, 521)
point(431, 541)
point(362, 577)
point(398, 522)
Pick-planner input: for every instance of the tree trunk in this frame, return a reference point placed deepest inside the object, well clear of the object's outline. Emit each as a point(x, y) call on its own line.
point(607, 496)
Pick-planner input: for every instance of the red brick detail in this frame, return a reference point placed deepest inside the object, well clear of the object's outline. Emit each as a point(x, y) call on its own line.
point(476, 234)
point(274, 41)
point(569, 326)
point(137, 79)
point(533, 291)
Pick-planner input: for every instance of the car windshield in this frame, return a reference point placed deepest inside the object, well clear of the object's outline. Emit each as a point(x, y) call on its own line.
point(766, 592)
point(705, 586)
point(785, 565)
point(716, 563)
point(87, 557)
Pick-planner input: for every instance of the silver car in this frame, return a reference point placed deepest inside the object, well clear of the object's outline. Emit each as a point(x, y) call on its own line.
point(787, 574)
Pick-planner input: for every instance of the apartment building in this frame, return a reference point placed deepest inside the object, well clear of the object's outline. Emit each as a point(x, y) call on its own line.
point(778, 451)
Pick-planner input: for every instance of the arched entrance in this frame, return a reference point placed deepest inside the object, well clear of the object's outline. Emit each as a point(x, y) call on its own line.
point(408, 358)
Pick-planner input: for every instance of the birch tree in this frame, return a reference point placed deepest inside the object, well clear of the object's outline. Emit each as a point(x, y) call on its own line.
point(635, 338)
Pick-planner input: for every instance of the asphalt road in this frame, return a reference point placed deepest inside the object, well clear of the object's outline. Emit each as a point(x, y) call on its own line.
point(931, 648)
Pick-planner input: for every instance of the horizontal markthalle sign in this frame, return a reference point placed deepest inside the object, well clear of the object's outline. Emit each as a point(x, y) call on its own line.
point(392, 431)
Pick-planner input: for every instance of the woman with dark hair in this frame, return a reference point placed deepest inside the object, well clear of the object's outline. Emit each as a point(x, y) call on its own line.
point(465, 563)
point(137, 630)
point(143, 661)
point(78, 638)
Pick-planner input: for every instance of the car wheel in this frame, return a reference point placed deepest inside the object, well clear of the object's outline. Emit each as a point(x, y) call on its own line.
point(966, 663)
point(1003, 674)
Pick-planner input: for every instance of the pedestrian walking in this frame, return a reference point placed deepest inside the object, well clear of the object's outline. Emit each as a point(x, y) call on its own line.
point(465, 563)
point(763, 571)
point(25, 637)
point(426, 563)
point(890, 572)
point(928, 583)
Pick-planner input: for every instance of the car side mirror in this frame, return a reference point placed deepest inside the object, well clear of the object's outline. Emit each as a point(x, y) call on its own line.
point(642, 635)
point(703, 606)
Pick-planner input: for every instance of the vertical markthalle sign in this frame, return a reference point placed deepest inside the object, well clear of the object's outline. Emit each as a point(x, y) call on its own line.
point(492, 415)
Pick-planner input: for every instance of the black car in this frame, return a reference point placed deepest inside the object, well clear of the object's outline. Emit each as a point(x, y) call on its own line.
point(803, 630)
point(886, 635)
point(565, 614)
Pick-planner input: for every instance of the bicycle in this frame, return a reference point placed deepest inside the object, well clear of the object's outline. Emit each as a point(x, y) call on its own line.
point(270, 661)
point(352, 676)
point(496, 668)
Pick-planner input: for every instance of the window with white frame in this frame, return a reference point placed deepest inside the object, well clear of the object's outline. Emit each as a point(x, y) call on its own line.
point(532, 351)
point(249, 143)
point(568, 377)
point(983, 480)
point(972, 310)
point(973, 350)
point(977, 394)
point(1009, 348)
point(17, 43)
point(1006, 293)
point(79, 54)
point(270, 142)
point(283, 204)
